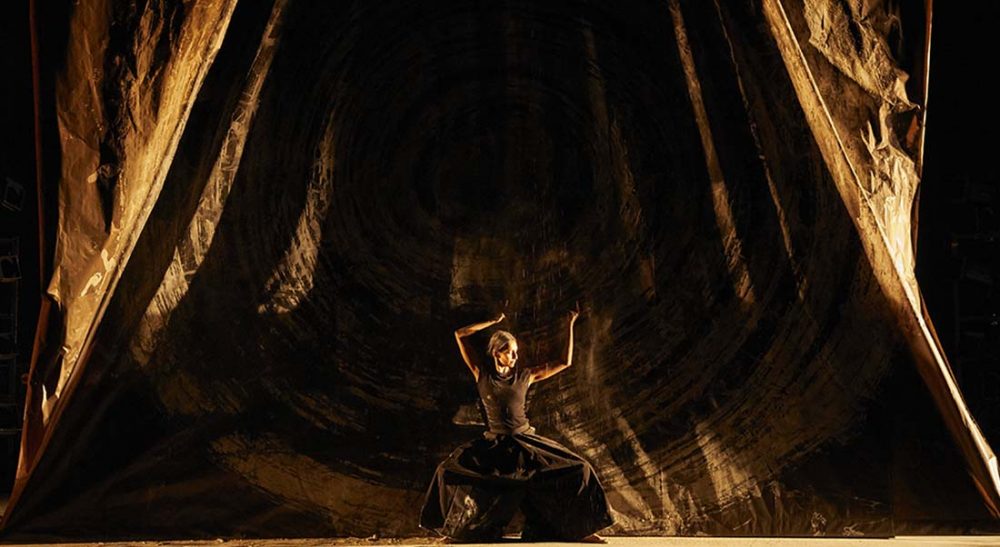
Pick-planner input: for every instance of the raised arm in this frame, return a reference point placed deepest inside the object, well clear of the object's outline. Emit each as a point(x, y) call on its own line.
point(461, 333)
point(550, 369)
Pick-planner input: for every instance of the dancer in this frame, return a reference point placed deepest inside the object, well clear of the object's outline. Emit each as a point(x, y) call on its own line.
point(477, 489)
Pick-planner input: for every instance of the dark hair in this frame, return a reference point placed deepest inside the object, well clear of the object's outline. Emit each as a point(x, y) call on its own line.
point(499, 341)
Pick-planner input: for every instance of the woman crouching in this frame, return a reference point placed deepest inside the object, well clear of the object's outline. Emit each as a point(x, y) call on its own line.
point(478, 488)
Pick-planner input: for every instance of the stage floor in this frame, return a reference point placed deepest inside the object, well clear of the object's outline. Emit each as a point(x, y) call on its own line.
point(916, 541)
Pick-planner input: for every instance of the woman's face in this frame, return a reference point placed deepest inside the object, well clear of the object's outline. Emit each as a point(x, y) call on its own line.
point(507, 356)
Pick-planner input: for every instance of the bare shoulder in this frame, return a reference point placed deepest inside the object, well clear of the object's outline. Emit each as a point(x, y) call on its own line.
point(546, 370)
point(534, 371)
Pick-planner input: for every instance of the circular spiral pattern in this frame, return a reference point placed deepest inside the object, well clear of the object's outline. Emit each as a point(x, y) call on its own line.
point(410, 168)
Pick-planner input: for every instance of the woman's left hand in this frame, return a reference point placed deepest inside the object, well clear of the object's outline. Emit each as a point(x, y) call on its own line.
point(574, 313)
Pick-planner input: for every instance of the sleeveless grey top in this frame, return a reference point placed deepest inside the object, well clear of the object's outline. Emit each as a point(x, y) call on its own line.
point(503, 398)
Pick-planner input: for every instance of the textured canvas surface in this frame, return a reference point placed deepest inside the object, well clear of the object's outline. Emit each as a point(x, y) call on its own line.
point(273, 215)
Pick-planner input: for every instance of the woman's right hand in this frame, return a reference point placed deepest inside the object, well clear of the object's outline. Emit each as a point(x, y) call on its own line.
point(500, 318)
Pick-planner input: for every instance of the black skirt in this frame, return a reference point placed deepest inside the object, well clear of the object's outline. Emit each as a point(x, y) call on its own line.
point(478, 488)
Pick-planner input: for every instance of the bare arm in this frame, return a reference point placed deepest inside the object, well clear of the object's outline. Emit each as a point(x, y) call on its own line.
point(550, 369)
point(464, 350)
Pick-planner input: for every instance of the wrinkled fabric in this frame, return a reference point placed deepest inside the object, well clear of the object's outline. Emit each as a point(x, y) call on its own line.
point(272, 217)
point(478, 488)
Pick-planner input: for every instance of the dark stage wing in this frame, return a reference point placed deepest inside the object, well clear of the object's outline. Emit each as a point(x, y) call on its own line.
point(273, 215)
